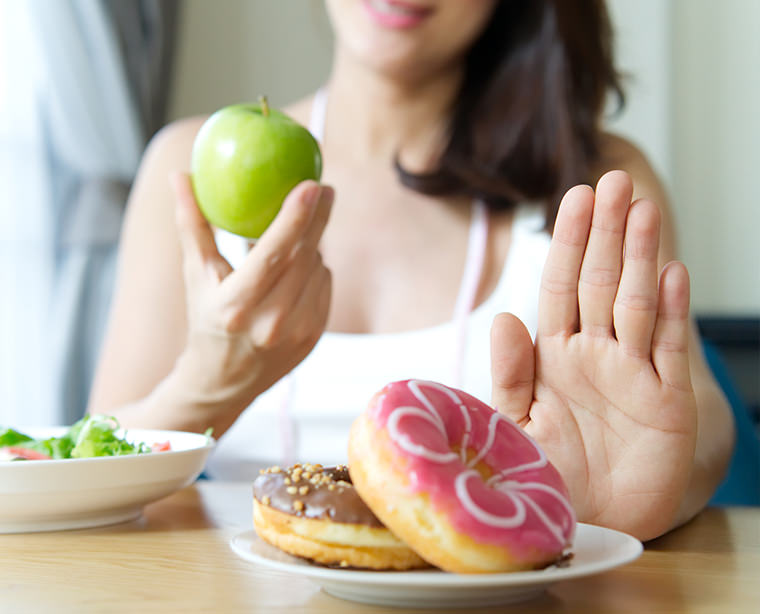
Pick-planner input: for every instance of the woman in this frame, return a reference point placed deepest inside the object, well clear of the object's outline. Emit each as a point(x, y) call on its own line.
point(440, 122)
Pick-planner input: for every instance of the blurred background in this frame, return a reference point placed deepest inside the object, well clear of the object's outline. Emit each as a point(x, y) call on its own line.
point(85, 83)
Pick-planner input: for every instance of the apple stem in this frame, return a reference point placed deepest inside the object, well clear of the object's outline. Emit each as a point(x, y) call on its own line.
point(264, 106)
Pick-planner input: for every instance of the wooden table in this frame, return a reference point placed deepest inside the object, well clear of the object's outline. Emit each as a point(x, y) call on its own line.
point(177, 559)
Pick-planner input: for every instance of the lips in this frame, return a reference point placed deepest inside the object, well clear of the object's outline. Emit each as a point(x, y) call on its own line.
point(397, 14)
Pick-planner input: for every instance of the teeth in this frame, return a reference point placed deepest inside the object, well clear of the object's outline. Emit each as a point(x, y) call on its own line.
point(392, 9)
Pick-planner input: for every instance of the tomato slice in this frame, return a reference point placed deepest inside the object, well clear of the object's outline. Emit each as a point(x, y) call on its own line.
point(27, 453)
point(161, 447)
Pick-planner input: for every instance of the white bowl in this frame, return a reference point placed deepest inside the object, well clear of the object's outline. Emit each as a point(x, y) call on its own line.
point(51, 495)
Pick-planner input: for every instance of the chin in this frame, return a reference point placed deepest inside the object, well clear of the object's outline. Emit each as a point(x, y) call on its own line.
point(396, 66)
point(394, 50)
point(407, 38)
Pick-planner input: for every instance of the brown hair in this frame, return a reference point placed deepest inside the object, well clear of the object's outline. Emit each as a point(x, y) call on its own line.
point(525, 123)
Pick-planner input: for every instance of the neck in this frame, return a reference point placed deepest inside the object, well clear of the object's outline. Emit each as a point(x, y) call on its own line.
point(390, 116)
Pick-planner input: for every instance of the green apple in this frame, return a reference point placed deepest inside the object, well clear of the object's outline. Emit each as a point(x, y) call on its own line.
point(245, 160)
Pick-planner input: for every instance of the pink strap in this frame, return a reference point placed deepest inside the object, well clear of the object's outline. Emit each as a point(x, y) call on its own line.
point(287, 424)
point(318, 117)
point(468, 292)
point(468, 289)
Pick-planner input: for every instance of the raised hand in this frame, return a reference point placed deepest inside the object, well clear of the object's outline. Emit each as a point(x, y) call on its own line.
point(249, 327)
point(606, 389)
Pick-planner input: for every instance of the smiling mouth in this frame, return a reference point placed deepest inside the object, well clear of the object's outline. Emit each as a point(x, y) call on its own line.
point(397, 14)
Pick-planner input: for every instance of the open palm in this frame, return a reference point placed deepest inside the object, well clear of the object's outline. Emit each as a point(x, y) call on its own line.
point(606, 389)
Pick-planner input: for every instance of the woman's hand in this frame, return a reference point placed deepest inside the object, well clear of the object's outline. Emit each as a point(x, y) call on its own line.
point(606, 389)
point(249, 327)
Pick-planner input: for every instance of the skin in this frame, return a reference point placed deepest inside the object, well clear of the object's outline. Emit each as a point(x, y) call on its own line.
point(642, 457)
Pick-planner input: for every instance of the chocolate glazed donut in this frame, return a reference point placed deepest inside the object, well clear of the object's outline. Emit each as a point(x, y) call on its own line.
point(315, 513)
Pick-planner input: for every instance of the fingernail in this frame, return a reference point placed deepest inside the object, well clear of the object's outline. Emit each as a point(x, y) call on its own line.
point(328, 194)
point(314, 195)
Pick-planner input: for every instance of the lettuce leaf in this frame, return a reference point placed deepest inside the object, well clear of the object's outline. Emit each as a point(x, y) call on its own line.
point(93, 435)
point(9, 437)
point(96, 436)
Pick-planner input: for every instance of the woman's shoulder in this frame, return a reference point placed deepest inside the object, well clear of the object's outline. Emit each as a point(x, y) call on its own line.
point(300, 110)
point(615, 148)
point(618, 153)
point(175, 140)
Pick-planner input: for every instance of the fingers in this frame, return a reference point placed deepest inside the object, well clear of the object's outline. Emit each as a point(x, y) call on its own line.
point(282, 297)
point(635, 309)
point(670, 342)
point(296, 307)
point(199, 251)
point(512, 367)
point(558, 298)
point(299, 224)
point(321, 216)
point(308, 319)
point(600, 271)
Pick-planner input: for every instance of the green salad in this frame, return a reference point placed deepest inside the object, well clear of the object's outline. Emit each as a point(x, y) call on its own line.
point(92, 436)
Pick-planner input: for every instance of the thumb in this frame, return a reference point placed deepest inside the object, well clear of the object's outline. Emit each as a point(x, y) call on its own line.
point(512, 367)
point(196, 237)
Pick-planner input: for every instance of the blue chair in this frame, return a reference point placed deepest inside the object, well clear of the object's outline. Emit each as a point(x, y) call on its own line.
point(742, 483)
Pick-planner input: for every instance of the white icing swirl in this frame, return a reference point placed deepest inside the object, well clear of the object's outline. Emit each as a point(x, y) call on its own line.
point(517, 492)
point(502, 522)
point(509, 488)
point(405, 443)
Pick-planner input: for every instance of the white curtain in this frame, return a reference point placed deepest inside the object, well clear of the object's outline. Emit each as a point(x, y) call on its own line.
point(82, 84)
point(26, 245)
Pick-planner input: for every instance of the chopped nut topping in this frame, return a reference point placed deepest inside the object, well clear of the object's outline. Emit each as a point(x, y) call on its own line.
point(303, 490)
point(306, 475)
point(265, 500)
point(275, 469)
point(298, 505)
point(291, 490)
point(287, 481)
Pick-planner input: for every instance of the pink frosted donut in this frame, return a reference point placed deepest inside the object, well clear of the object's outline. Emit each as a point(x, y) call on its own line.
point(461, 484)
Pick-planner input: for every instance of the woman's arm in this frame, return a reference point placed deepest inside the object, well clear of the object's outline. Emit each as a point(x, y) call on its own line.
point(147, 325)
point(191, 343)
point(617, 392)
point(715, 425)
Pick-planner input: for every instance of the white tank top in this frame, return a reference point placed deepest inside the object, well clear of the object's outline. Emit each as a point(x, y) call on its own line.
point(333, 384)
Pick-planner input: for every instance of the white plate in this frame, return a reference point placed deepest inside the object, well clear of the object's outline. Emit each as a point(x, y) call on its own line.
point(75, 493)
point(596, 549)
